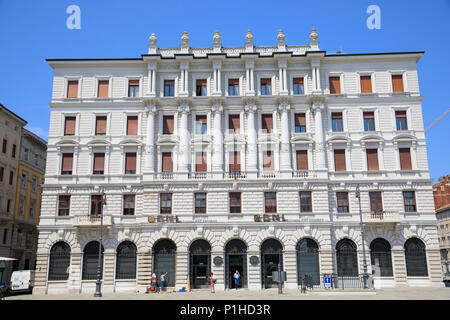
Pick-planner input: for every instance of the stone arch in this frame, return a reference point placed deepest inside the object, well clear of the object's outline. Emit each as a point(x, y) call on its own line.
point(351, 234)
point(54, 237)
point(314, 234)
point(420, 233)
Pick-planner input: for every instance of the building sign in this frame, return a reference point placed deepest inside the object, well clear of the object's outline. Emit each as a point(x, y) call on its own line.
point(218, 261)
point(254, 260)
point(268, 217)
point(163, 218)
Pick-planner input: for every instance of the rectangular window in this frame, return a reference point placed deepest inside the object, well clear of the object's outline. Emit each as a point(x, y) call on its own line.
point(11, 177)
point(13, 153)
point(400, 120)
point(268, 163)
point(342, 202)
point(2, 172)
point(372, 159)
point(103, 88)
point(369, 121)
point(335, 85)
point(100, 125)
point(72, 89)
point(339, 160)
point(36, 159)
point(235, 202)
point(267, 123)
point(235, 161)
point(200, 203)
point(167, 163)
point(376, 204)
point(302, 159)
point(233, 87)
point(132, 125)
point(201, 125)
point(31, 211)
point(200, 89)
point(24, 181)
point(5, 235)
point(270, 202)
point(96, 205)
point(5, 145)
point(133, 88)
point(405, 158)
point(266, 84)
point(169, 88)
point(21, 206)
point(8, 205)
point(69, 126)
point(300, 122)
point(234, 123)
point(67, 163)
point(25, 154)
point(366, 84)
point(33, 184)
point(298, 85)
point(305, 201)
point(128, 204)
point(167, 124)
point(99, 163)
point(200, 162)
point(63, 205)
point(165, 203)
point(397, 83)
point(130, 163)
point(337, 122)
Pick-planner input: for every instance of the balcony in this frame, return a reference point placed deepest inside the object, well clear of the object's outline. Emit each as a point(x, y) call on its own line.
point(235, 175)
point(304, 174)
point(381, 217)
point(199, 175)
point(91, 221)
point(268, 174)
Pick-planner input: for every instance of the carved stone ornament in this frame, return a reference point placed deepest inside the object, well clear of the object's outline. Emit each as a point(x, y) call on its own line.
point(313, 36)
point(249, 36)
point(153, 39)
point(185, 38)
point(281, 35)
point(216, 37)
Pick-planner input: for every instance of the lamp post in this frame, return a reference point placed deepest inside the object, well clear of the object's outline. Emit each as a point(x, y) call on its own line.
point(365, 276)
point(98, 285)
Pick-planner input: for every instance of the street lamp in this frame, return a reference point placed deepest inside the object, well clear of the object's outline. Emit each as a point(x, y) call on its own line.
point(365, 276)
point(98, 292)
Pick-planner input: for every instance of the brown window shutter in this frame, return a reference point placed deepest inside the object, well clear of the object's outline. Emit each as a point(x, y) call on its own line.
point(267, 123)
point(368, 115)
point(99, 161)
point(201, 118)
point(266, 81)
point(298, 80)
point(233, 81)
point(167, 163)
point(372, 159)
point(397, 83)
point(72, 89)
point(339, 160)
point(300, 119)
point(302, 159)
point(69, 127)
point(234, 122)
point(405, 159)
point(366, 84)
point(132, 125)
point(130, 161)
point(168, 124)
point(201, 82)
point(103, 88)
point(268, 160)
point(100, 125)
point(133, 82)
point(67, 161)
point(336, 115)
point(235, 163)
point(200, 162)
point(335, 85)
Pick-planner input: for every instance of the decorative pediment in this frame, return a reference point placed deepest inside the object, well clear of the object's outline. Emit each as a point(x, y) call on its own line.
point(339, 139)
point(301, 139)
point(234, 139)
point(167, 140)
point(404, 137)
point(67, 142)
point(268, 138)
point(201, 140)
point(130, 142)
point(98, 142)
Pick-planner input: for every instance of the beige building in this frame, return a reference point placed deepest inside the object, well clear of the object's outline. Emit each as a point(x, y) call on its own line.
point(441, 192)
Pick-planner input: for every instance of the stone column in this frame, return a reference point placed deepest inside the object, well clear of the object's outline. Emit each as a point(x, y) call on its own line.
point(282, 81)
point(108, 271)
point(252, 170)
point(285, 150)
point(40, 278)
point(217, 163)
point(290, 266)
point(181, 268)
point(326, 261)
point(434, 267)
point(249, 65)
point(184, 136)
point(399, 266)
point(150, 142)
point(144, 270)
point(75, 272)
point(254, 271)
point(151, 88)
point(319, 136)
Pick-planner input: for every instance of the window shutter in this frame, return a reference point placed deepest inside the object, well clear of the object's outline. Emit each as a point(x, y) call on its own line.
point(397, 83)
point(167, 163)
point(99, 161)
point(67, 161)
point(233, 82)
point(268, 160)
point(405, 159)
point(267, 122)
point(298, 80)
point(72, 89)
point(234, 122)
point(69, 127)
point(302, 160)
point(100, 125)
point(339, 160)
point(200, 162)
point(130, 161)
point(366, 84)
point(133, 82)
point(168, 124)
point(372, 159)
point(132, 125)
point(300, 119)
point(201, 118)
point(335, 85)
point(103, 88)
point(235, 163)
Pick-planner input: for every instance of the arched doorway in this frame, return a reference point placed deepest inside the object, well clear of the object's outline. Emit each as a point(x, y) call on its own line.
point(164, 252)
point(235, 259)
point(347, 260)
point(380, 258)
point(199, 263)
point(126, 261)
point(59, 262)
point(416, 259)
point(271, 256)
point(308, 261)
point(90, 261)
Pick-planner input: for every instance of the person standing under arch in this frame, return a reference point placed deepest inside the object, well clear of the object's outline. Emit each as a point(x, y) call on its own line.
point(236, 279)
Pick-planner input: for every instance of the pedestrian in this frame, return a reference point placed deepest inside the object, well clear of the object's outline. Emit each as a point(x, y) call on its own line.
point(213, 281)
point(153, 285)
point(163, 280)
point(236, 279)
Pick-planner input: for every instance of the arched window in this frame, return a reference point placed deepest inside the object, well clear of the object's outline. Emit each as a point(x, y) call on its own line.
point(347, 260)
point(235, 259)
point(164, 252)
point(126, 261)
point(59, 262)
point(271, 256)
point(416, 259)
point(200, 263)
point(380, 257)
point(90, 261)
point(308, 261)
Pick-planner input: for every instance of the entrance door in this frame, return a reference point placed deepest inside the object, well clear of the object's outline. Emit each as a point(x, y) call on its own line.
point(270, 264)
point(200, 271)
point(236, 262)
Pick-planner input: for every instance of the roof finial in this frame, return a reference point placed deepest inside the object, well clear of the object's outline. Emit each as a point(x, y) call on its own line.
point(313, 35)
point(153, 39)
point(185, 37)
point(281, 35)
point(249, 36)
point(216, 37)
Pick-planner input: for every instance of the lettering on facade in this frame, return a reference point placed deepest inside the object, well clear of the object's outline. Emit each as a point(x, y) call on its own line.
point(165, 218)
point(269, 218)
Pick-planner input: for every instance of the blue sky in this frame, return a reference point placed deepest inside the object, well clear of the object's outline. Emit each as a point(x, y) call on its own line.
point(31, 31)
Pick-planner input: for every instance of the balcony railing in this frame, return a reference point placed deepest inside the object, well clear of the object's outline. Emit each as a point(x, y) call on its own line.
point(235, 175)
point(199, 175)
point(91, 221)
point(303, 174)
point(232, 175)
point(381, 217)
point(268, 174)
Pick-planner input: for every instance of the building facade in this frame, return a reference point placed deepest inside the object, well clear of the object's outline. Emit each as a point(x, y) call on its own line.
point(236, 158)
point(441, 192)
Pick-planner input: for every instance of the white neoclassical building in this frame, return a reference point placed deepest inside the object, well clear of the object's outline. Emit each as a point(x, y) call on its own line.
point(237, 158)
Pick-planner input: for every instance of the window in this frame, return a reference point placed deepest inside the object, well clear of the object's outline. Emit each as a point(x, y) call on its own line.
point(36, 159)
point(23, 181)
point(5, 235)
point(200, 162)
point(200, 87)
point(298, 85)
point(235, 162)
point(302, 159)
point(400, 120)
point(165, 204)
point(270, 202)
point(376, 204)
point(300, 122)
point(59, 262)
point(67, 163)
point(103, 88)
point(266, 87)
point(397, 83)
point(335, 85)
point(200, 124)
point(167, 124)
point(369, 121)
point(2, 172)
point(405, 158)
point(25, 154)
point(21, 206)
point(128, 204)
point(169, 88)
point(268, 163)
point(33, 184)
point(366, 84)
point(305, 201)
point(13, 153)
point(90, 261)
point(200, 203)
point(100, 125)
point(63, 205)
point(339, 160)
point(235, 202)
point(342, 202)
point(72, 89)
point(415, 258)
point(167, 163)
point(69, 126)
point(267, 123)
point(99, 163)
point(132, 125)
point(336, 122)
point(346, 258)
point(234, 123)
point(126, 261)
point(130, 163)
point(233, 87)
point(372, 159)
point(96, 205)
point(409, 201)
point(5, 145)
point(31, 212)
point(133, 88)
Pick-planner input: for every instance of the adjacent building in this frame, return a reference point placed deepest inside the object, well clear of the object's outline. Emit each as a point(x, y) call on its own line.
point(236, 158)
point(441, 191)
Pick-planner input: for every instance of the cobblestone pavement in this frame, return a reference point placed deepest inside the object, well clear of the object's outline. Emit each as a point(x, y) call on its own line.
point(271, 294)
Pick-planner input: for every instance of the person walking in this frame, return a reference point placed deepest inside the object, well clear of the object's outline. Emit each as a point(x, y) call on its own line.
point(236, 279)
point(163, 280)
point(154, 284)
point(213, 281)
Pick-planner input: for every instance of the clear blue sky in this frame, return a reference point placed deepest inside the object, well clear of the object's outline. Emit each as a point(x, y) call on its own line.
point(31, 31)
